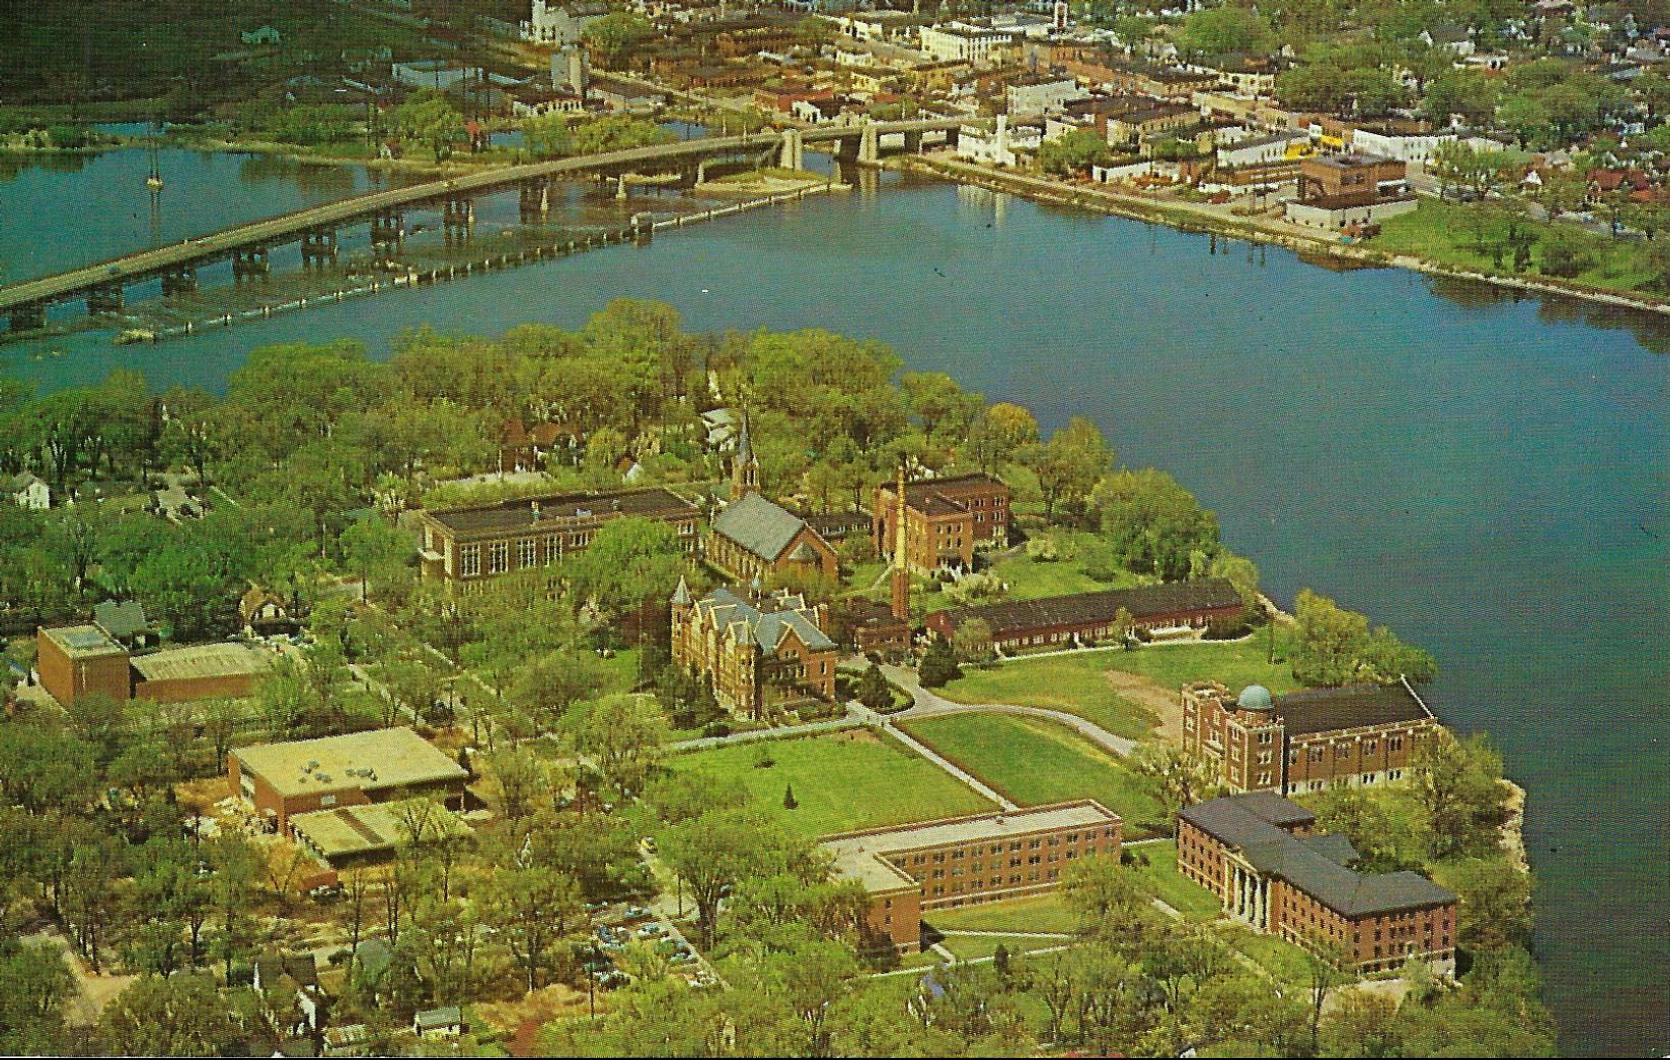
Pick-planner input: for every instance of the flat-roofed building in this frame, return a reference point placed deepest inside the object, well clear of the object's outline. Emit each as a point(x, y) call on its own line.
point(360, 835)
point(1308, 740)
point(946, 520)
point(283, 780)
point(198, 671)
point(466, 544)
point(1259, 854)
point(1081, 619)
point(911, 869)
point(74, 661)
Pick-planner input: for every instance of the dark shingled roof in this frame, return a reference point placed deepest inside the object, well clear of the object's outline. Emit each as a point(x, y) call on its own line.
point(1207, 594)
point(1315, 865)
point(518, 514)
point(121, 618)
point(758, 525)
point(1354, 706)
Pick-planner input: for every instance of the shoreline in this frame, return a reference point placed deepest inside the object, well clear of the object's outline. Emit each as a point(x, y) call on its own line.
point(1183, 217)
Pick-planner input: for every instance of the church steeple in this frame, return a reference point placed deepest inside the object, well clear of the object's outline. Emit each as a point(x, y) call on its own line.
point(745, 467)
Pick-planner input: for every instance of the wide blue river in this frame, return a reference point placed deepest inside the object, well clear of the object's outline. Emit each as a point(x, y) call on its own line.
point(1488, 477)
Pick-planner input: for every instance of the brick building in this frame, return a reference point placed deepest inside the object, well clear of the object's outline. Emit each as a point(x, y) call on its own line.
point(755, 538)
point(1340, 190)
point(763, 651)
point(282, 780)
point(913, 869)
point(467, 544)
point(866, 626)
point(74, 661)
point(945, 520)
point(1307, 740)
point(1259, 854)
point(1085, 618)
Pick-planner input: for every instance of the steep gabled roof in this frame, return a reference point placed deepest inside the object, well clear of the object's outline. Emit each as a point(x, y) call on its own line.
point(759, 526)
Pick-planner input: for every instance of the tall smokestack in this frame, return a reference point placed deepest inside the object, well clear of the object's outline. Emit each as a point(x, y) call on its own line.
point(900, 595)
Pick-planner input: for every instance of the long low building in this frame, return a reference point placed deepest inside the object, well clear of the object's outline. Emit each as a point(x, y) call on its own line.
point(910, 869)
point(285, 780)
point(358, 835)
point(1259, 854)
point(74, 661)
point(1082, 618)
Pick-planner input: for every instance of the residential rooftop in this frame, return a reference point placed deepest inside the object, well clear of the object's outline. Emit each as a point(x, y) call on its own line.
point(863, 855)
point(372, 760)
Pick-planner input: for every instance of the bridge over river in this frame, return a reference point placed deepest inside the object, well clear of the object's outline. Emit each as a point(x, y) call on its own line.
point(24, 304)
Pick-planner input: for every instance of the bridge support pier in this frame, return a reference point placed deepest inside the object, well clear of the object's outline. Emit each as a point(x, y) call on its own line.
point(318, 246)
point(793, 155)
point(869, 146)
point(913, 143)
point(388, 228)
point(180, 281)
point(458, 213)
point(27, 318)
point(620, 186)
point(534, 200)
point(106, 299)
point(250, 262)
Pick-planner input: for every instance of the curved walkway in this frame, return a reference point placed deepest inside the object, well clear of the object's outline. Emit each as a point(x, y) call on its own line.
point(930, 704)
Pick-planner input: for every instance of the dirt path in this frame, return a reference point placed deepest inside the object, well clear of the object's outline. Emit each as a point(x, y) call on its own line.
point(1164, 702)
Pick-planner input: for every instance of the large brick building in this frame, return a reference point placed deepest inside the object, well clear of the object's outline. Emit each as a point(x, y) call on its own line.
point(1259, 854)
point(755, 538)
point(945, 520)
point(1085, 618)
point(912, 869)
point(74, 661)
point(1307, 740)
point(470, 543)
point(764, 651)
point(282, 780)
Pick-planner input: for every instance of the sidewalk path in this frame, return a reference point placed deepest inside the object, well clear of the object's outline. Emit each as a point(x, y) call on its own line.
point(930, 704)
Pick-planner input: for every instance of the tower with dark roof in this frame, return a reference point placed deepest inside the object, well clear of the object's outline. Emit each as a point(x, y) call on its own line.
point(745, 467)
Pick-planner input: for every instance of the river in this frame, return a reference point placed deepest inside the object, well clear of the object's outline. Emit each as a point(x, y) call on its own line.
point(1486, 476)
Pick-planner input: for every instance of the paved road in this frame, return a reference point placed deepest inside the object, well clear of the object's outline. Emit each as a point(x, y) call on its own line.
point(930, 704)
point(810, 728)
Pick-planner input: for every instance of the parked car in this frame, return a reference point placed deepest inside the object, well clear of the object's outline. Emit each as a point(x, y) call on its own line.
point(650, 931)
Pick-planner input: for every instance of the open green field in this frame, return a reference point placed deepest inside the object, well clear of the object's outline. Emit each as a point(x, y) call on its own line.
point(1078, 682)
point(1035, 762)
point(1157, 862)
point(1462, 235)
point(843, 781)
point(1285, 962)
point(1045, 912)
point(979, 947)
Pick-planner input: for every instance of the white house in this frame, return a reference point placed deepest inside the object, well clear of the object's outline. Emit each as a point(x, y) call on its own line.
point(29, 491)
point(262, 35)
point(1041, 94)
point(961, 41)
point(560, 23)
point(1261, 150)
point(999, 146)
point(1405, 147)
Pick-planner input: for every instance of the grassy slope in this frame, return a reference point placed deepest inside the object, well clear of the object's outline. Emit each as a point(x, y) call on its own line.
point(1034, 762)
point(841, 782)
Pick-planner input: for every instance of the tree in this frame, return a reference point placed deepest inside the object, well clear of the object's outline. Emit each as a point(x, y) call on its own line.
point(38, 986)
point(1495, 907)
point(1074, 152)
point(374, 549)
point(1458, 782)
point(630, 562)
point(973, 641)
point(180, 1015)
point(1216, 31)
point(789, 801)
point(533, 906)
point(1180, 778)
point(1334, 646)
point(998, 433)
point(939, 664)
point(546, 689)
point(615, 36)
point(874, 691)
point(1153, 524)
point(1069, 464)
point(430, 118)
point(622, 734)
point(711, 853)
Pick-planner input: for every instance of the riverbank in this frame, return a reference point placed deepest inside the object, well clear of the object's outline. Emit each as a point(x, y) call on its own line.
point(1218, 220)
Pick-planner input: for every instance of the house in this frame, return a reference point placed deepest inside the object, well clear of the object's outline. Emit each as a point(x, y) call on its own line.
point(1260, 855)
point(1457, 40)
point(445, 1022)
point(29, 491)
point(763, 651)
point(266, 613)
point(1308, 740)
point(1040, 93)
point(992, 857)
point(125, 622)
point(353, 1039)
point(293, 976)
point(1080, 619)
point(964, 42)
point(946, 520)
point(281, 780)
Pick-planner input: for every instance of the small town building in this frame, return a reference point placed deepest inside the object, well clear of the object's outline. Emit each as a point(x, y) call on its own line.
point(466, 544)
point(1352, 189)
point(445, 1022)
point(764, 651)
point(1082, 619)
point(1260, 855)
point(946, 520)
point(1308, 740)
point(198, 671)
point(561, 23)
point(74, 661)
point(911, 869)
point(265, 613)
point(869, 628)
point(754, 538)
point(28, 490)
point(293, 977)
point(1040, 93)
point(367, 834)
point(283, 780)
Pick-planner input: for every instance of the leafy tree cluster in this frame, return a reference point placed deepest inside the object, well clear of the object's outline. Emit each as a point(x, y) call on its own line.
point(1335, 646)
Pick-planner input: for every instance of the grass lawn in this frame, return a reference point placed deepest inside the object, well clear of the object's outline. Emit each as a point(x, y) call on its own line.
point(1034, 762)
point(621, 672)
point(843, 781)
point(1236, 663)
point(1449, 233)
point(1076, 684)
point(1158, 863)
point(1284, 961)
point(975, 947)
point(1046, 912)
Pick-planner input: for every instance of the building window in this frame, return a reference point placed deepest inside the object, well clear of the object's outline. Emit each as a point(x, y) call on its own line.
point(553, 548)
point(525, 552)
point(469, 560)
point(498, 557)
